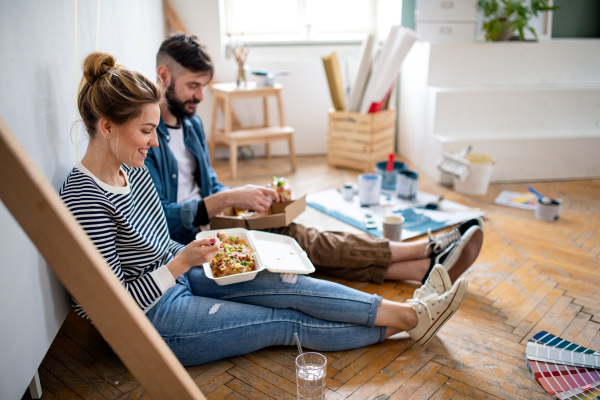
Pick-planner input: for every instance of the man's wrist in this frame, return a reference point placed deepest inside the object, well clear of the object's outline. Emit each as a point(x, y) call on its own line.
point(226, 198)
point(215, 203)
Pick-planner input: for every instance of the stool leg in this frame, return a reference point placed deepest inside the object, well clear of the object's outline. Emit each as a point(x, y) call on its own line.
point(233, 158)
point(269, 155)
point(265, 111)
point(280, 106)
point(292, 152)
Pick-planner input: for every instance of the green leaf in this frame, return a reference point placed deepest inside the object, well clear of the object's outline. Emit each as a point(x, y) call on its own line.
point(488, 7)
point(532, 31)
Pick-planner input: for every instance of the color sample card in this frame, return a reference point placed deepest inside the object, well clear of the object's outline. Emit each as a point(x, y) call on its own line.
point(583, 394)
point(541, 352)
point(551, 340)
point(564, 369)
point(528, 201)
point(557, 378)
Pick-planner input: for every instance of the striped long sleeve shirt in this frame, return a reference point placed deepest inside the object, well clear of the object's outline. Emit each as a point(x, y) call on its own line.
point(128, 226)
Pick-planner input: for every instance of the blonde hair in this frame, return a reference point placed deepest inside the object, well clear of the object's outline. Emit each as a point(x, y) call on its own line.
point(109, 90)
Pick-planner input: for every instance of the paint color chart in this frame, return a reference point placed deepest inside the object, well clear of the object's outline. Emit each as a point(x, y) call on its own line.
point(541, 352)
point(564, 369)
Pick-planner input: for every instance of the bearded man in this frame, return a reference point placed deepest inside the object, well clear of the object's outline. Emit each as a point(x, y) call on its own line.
point(191, 194)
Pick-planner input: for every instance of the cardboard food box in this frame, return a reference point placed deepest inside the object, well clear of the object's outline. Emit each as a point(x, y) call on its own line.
point(274, 253)
point(280, 214)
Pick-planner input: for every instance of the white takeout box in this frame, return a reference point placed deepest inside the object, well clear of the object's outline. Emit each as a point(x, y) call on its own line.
point(275, 253)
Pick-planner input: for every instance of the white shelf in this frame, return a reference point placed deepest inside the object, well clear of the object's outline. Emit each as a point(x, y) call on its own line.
point(551, 62)
point(469, 111)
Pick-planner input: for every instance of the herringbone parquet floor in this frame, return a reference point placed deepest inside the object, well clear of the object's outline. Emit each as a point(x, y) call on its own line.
point(530, 276)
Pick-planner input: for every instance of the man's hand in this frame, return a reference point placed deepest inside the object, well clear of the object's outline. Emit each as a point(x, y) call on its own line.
point(252, 197)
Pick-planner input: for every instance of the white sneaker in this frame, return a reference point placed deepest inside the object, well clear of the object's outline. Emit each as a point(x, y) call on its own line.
point(433, 311)
point(437, 283)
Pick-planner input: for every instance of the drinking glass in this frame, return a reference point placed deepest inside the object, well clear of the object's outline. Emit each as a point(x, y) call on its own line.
point(311, 369)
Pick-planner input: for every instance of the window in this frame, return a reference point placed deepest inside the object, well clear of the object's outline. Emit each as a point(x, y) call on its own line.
point(310, 20)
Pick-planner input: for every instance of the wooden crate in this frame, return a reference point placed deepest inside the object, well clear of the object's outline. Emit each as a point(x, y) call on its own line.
point(359, 141)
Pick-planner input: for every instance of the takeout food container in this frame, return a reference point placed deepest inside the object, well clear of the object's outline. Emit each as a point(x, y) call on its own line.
point(280, 214)
point(273, 252)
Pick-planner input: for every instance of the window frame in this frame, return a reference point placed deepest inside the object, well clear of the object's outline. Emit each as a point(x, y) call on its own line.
point(303, 38)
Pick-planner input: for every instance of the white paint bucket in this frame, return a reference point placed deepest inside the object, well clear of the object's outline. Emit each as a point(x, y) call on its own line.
point(369, 189)
point(476, 184)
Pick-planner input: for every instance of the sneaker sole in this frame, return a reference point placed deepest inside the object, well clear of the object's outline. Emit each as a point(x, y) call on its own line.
point(481, 224)
point(447, 314)
point(462, 259)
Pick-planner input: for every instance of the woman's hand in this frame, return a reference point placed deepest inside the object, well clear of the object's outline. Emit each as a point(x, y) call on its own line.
point(196, 253)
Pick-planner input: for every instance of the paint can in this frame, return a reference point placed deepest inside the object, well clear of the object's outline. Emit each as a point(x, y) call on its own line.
point(369, 189)
point(348, 191)
point(407, 184)
point(480, 172)
point(549, 211)
point(389, 178)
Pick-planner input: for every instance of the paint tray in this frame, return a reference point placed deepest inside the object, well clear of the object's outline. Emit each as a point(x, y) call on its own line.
point(274, 253)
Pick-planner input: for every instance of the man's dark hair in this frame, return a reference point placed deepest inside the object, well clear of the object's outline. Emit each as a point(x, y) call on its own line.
point(187, 51)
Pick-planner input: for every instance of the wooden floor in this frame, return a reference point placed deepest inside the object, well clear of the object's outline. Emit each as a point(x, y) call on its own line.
point(530, 276)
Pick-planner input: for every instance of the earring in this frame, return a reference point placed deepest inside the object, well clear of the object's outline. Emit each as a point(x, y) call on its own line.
point(108, 136)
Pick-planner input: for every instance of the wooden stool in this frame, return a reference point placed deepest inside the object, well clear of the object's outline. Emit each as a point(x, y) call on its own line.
point(224, 93)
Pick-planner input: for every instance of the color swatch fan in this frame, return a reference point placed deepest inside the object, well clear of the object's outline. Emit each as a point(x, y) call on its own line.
point(564, 369)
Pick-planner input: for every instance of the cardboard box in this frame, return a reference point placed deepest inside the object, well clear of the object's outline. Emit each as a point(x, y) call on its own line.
point(280, 214)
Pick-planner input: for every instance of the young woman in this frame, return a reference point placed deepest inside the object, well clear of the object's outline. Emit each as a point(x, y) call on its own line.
point(112, 196)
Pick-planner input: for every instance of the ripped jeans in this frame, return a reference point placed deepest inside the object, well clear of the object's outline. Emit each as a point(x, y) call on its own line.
point(201, 321)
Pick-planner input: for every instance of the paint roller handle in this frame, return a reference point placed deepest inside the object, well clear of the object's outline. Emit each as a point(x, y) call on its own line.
point(465, 151)
point(542, 199)
point(532, 190)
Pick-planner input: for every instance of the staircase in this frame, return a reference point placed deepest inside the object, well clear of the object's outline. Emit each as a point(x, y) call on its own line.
point(534, 107)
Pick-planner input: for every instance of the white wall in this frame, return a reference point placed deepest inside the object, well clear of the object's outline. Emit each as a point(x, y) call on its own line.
point(306, 96)
point(37, 100)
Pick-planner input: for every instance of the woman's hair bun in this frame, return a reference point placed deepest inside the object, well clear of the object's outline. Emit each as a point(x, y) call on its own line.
point(111, 91)
point(97, 64)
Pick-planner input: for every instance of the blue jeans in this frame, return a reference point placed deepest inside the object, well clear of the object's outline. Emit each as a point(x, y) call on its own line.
point(202, 321)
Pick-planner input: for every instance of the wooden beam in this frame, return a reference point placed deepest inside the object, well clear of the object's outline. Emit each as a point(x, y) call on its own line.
point(172, 21)
point(83, 271)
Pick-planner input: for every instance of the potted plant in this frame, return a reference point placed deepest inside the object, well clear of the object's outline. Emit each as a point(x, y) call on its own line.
point(503, 17)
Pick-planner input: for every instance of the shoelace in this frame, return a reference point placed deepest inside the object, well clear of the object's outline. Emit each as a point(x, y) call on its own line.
point(443, 240)
point(421, 290)
point(423, 302)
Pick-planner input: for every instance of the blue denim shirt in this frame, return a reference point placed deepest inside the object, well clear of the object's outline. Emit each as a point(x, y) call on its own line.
point(162, 165)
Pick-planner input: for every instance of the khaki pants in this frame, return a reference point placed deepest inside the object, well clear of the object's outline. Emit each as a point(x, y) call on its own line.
point(343, 255)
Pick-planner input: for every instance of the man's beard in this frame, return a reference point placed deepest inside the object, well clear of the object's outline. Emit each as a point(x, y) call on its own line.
point(176, 107)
